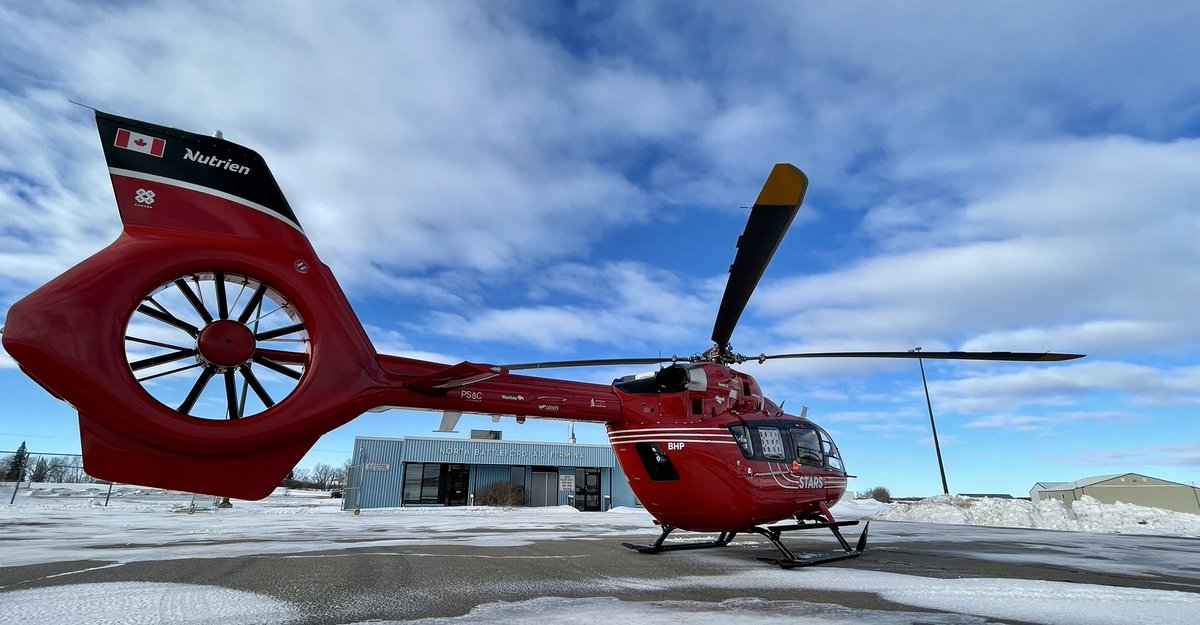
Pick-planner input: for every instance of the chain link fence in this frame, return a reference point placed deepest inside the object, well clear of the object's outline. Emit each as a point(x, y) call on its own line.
point(22, 467)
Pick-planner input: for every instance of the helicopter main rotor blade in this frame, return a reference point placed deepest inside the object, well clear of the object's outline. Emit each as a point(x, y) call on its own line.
point(773, 213)
point(602, 362)
point(1006, 356)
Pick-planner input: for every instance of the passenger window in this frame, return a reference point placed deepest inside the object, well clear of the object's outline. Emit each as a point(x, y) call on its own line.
point(772, 443)
point(808, 447)
point(742, 436)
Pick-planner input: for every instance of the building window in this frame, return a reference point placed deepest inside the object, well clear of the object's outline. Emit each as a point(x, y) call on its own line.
point(422, 482)
point(429, 483)
point(516, 476)
point(412, 483)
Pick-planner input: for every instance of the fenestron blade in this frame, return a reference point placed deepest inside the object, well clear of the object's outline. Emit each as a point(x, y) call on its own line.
point(770, 218)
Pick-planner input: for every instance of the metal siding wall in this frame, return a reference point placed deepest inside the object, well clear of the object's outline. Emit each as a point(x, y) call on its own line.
point(468, 451)
point(378, 489)
point(1175, 497)
point(622, 494)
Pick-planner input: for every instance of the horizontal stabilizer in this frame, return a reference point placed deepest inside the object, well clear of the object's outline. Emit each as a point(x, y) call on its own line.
point(449, 422)
point(457, 376)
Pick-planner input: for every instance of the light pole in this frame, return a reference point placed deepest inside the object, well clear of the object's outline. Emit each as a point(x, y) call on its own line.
point(933, 426)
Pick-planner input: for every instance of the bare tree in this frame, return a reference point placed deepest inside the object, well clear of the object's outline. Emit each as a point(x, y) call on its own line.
point(57, 469)
point(300, 475)
point(40, 471)
point(323, 474)
point(347, 467)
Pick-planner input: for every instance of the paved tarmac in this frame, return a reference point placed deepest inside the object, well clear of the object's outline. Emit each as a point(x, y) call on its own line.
point(403, 583)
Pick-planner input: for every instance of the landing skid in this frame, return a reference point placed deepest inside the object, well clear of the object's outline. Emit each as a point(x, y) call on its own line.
point(772, 533)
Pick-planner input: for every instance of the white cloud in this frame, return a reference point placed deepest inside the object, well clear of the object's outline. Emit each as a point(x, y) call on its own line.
point(1186, 454)
point(394, 343)
point(627, 304)
point(6, 361)
point(1144, 385)
point(1092, 254)
point(1019, 423)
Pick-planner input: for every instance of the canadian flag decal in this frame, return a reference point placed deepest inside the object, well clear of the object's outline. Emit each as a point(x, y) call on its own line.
point(140, 143)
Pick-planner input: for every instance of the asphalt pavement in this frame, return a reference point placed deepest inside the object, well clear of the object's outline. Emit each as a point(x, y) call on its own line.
point(404, 583)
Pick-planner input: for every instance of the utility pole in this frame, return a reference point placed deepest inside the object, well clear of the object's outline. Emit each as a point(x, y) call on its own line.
point(933, 426)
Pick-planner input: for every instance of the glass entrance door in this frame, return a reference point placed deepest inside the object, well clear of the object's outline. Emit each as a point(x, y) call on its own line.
point(458, 481)
point(543, 489)
point(587, 490)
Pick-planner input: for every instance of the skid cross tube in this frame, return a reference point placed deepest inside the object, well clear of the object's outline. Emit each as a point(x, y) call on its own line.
point(772, 533)
point(789, 559)
point(724, 539)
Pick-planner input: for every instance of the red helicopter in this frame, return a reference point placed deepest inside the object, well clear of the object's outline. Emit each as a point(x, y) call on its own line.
point(208, 348)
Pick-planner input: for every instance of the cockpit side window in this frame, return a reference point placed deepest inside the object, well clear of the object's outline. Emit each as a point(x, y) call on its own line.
point(807, 447)
point(833, 459)
point(742, 435)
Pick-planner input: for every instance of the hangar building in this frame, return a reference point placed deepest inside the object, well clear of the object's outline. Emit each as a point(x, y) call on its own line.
point(412, 471)
point(1133, 488)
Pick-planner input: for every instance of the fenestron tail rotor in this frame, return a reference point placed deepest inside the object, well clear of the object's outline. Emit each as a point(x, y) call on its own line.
point(217, 345)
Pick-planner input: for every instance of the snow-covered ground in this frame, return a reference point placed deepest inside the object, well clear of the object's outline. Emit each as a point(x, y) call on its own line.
point(51, 523)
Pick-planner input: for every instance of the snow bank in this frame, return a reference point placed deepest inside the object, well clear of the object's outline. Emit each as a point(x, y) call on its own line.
point(1085, 515)
point(850, 509)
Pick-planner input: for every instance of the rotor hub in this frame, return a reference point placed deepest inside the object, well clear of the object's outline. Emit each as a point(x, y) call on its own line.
point(226, 344)
point(719, 354)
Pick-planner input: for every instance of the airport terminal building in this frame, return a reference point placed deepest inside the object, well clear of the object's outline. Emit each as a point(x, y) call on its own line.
point(394, 472)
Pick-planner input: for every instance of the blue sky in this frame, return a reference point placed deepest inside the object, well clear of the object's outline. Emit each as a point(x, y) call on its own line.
point(509, 182)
